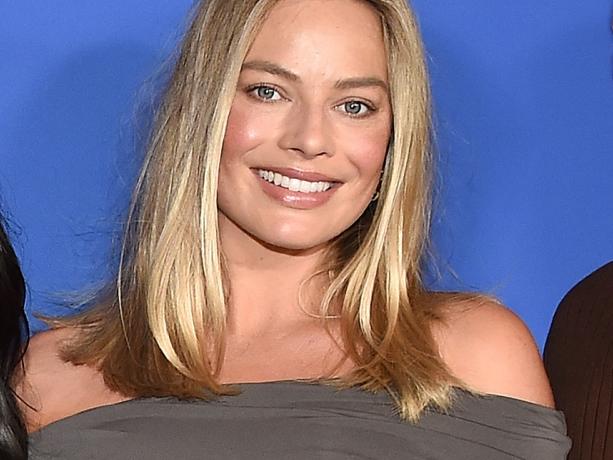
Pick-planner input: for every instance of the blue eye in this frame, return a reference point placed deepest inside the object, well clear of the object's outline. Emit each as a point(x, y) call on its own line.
point(355, 108)
point(265, 93)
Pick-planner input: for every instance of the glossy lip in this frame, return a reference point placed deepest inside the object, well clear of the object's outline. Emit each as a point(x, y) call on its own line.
point(299, 174)
point(297, 200)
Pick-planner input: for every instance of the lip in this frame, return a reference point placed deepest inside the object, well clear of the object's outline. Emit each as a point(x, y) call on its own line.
point(296, 200)
point(310, 176)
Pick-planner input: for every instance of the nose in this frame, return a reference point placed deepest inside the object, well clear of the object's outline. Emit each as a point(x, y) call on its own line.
point(308, 131)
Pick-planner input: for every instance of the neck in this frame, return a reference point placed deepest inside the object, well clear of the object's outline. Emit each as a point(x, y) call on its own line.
point(266, 283)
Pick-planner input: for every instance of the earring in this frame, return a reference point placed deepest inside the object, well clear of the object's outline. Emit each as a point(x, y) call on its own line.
point(375, 197)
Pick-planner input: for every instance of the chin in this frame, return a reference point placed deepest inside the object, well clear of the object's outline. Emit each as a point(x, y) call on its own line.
point(283, 230)
point(293, 239)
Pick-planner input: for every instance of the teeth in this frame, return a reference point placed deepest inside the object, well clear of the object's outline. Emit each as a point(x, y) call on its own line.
point(305, 187)
point(293, 184)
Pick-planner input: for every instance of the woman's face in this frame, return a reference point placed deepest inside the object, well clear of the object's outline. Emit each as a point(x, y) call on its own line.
point(309, 125)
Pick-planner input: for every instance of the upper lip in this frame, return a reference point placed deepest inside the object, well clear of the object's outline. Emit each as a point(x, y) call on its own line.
point(310, 176)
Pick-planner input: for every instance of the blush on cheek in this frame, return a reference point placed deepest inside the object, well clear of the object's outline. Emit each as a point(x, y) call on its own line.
point(241, 132)
point(370, 155)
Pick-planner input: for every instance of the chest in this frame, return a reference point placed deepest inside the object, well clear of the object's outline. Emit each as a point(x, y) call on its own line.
point(289, 357)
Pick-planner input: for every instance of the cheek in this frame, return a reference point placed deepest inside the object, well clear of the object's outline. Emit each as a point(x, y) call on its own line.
point(367, 152)
point(239, 135)
point(243, 133)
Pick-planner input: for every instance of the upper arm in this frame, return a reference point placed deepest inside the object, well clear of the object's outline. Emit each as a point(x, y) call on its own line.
point(492, 351)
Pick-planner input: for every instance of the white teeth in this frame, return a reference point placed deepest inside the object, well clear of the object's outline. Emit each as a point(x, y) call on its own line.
point(293, 184)
point(305, 187)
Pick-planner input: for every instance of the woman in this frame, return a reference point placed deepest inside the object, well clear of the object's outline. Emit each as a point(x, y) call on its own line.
point(275, 241)
point(13, 338)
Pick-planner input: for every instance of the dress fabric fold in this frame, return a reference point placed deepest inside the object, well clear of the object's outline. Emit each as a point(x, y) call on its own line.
point(300, 421)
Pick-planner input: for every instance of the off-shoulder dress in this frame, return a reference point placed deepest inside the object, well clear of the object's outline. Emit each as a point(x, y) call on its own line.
point(304, 421)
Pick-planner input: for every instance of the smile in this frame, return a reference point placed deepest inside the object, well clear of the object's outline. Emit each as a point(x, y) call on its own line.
point(293, 184)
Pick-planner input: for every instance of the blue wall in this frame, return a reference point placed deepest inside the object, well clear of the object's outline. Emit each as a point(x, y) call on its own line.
point(524, 103)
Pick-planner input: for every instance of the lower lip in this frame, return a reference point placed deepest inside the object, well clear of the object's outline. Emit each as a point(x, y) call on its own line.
point(296, 200)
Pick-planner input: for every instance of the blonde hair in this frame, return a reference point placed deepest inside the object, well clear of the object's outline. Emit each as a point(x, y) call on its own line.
point(159, 330)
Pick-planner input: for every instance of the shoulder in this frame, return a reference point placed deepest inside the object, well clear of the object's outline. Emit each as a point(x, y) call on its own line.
point(491, 350)
point(52, 388)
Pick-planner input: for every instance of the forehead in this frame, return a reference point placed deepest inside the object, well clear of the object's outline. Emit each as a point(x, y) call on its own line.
point(326, 37)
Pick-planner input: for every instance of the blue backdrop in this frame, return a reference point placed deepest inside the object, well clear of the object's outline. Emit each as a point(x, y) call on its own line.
point(524, 119)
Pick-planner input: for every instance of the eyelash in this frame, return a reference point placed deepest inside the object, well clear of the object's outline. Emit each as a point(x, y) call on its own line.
point(252, 92)
point(370, 107)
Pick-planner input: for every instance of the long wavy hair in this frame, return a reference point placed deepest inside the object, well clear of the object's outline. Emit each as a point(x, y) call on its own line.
point(13, 341)
point(159, 328)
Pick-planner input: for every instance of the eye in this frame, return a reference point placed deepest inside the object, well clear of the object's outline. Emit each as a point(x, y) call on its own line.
point(356, 108)
point(264, 93)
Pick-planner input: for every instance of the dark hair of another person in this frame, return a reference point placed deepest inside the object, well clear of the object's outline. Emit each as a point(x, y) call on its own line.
point(13, 339)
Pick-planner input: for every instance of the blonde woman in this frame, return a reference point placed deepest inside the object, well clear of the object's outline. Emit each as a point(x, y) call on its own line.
point(269, 301)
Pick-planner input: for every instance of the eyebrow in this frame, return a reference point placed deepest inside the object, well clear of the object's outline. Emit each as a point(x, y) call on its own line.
point(350, 83)
point(347, 83)
point(269, 67)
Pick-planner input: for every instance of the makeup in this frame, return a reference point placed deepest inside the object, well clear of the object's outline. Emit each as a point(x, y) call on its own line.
point(296, 189)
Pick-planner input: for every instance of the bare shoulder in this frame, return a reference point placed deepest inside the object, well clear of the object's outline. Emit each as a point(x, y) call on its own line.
point(52, 389)
point(489, 348)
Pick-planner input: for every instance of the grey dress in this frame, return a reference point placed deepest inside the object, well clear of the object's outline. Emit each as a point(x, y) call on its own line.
point(301, 421)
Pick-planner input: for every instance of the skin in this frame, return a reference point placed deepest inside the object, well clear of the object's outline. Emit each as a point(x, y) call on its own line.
point(273, 246)
point(303, 122)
